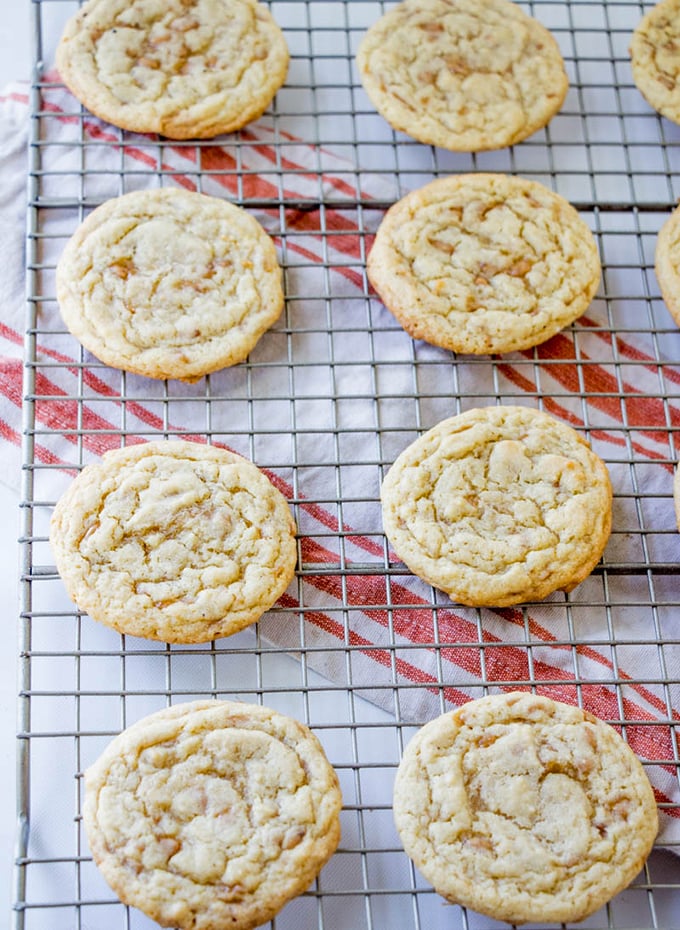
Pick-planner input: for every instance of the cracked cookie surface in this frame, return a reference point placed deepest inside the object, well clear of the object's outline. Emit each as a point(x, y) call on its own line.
point(655, 58)
point(174, 541)
point(186, 69)
point(212, 814)
point(465, 75)
point(168, 283)
point(498, 506)
point(484, 263)
point(524, 808)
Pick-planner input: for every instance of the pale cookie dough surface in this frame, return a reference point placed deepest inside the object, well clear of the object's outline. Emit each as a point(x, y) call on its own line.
point(212, 814)
point(465, 75)
point(187, 69)
point(169, 283)
point(484, 263)
point(498, 506)
point(174, 541)
point(655, 58)
point(524, 808)
point(667, 263)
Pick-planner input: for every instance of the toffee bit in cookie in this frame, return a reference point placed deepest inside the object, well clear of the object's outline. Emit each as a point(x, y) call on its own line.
point(465, 75)
point(545, 822)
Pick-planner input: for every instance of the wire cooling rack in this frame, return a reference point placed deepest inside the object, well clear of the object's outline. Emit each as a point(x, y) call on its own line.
point(357, 648)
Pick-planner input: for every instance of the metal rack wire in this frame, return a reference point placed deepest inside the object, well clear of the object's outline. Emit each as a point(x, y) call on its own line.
point(357, 648)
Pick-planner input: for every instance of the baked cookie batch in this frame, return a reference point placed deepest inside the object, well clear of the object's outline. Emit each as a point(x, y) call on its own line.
point(214, 814)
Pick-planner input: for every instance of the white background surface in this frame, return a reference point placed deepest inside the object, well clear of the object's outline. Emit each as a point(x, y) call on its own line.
point(15, 52)
point(15, 56)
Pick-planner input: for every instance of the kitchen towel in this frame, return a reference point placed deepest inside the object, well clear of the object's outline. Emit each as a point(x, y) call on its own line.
point(329, 397)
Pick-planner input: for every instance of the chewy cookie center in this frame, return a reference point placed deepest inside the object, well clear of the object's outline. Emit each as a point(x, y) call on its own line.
point(508, 256)
point(162, 275)
point(505, 495)
point(459, 44)
point(172, 531)
point(524, 803)
point(213, 808)
point(157, 51)
point(459, 65)
point(517, 782)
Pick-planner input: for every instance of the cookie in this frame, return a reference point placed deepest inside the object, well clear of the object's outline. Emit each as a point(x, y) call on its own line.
point(174, 541)
point(186, 69)
point(655, 58)
point(465, 75)
point(667, 263)
point(484, 263)
point(524, 808)
point(169, 283)
point(498, 506)
point(212, 814)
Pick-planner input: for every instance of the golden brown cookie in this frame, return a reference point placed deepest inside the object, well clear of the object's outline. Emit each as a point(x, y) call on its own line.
point(465, 75)
point(212, 815)
point(655, 58)
point(187, 69)
point(498, 506)
point(524, 808)
point(667, 263)
point(174, 541)
point(169, 283)
point(484, 263)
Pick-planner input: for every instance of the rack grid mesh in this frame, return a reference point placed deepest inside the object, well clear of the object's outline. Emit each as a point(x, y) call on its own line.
point(357, 648)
